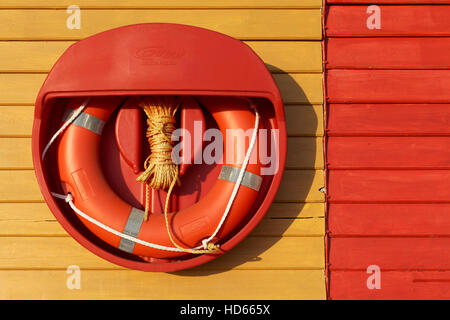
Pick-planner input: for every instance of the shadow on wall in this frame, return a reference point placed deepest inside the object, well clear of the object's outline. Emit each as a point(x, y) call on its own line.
point(293, 189)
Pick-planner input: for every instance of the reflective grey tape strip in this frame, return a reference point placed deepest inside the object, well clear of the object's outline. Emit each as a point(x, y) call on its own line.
point(132, 228)
point(250, 180)
point(87, 121)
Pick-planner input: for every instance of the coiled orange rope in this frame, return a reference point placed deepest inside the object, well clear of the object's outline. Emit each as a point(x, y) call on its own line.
point(161, 172)
point(159, 167)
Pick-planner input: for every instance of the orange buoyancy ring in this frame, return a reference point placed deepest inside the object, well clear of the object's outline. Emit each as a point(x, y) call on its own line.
point(81, 175)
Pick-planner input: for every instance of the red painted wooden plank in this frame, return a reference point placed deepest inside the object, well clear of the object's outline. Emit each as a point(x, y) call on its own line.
point(388, 53)
point(388, 1)
point(349, 21)
point(394, 285)
point(382, 119)
point(388, 186)
point(388, 86)
point(388, 152)
point(390, 253)
point(388, 219)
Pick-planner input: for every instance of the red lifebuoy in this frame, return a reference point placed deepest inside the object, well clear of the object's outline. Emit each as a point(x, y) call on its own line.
point(180, 60)
point(81, 174)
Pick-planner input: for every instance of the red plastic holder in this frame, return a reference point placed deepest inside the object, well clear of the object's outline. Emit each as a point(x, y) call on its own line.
point(154, 59)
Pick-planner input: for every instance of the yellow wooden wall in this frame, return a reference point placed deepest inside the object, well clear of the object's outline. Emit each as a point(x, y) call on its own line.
point(282, 259)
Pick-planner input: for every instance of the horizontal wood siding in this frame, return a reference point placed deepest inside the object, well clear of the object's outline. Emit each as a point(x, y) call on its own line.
point(397, 53)
point(370, 2)
point(126, 284)
point(244, 24)
point(389, 219)
point(287, 247)
point(387, 141)
point(389, 119)
point(405, 20)
point(389, 86)
point(397, 285)
point(161, 4)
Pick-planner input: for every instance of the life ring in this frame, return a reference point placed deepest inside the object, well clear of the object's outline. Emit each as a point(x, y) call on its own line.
point(81, 175)
point(152, 59)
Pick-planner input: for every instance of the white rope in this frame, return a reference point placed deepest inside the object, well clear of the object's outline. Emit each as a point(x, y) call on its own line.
point(238, 181)
point(68, 122)
point(69, 199)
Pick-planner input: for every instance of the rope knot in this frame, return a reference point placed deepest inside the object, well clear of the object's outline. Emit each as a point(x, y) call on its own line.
point(209, 246)
point(68, 198)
